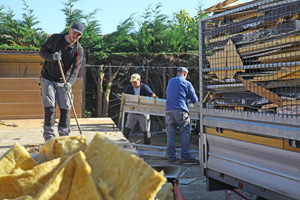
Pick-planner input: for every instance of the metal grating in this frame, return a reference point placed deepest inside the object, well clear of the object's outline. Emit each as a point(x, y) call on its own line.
point(250, 59)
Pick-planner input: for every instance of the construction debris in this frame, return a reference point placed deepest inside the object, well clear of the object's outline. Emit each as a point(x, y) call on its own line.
point(252, 58)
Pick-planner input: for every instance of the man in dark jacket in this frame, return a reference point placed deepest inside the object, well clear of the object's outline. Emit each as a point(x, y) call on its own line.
point(66, 49)
point(138, 88)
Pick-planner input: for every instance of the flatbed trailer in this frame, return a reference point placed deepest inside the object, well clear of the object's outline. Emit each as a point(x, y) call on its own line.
point(249, 99)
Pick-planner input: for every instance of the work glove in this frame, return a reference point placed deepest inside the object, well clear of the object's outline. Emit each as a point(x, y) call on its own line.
point(56, 56)
point(67, 86)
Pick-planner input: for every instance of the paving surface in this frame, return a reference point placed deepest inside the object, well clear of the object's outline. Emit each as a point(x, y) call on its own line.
point(191, 183)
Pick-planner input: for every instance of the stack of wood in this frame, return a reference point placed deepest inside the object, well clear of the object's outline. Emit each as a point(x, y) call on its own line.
point(253, 56)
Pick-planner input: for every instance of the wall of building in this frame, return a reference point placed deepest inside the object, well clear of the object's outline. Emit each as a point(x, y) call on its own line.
point(20, 94)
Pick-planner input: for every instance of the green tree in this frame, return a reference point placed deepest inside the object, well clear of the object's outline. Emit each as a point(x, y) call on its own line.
point(30, 35)
point(123, 39)
point(10, 28)
point(91, 39)
point(21, 33)
point(72, 14)
point(151, 29)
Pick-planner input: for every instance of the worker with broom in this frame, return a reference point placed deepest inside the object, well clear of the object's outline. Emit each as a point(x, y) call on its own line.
point(64, 50)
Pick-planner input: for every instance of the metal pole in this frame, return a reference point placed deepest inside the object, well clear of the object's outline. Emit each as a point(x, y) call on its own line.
point(70, 99)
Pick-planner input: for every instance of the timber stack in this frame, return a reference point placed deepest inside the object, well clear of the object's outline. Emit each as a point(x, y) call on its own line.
point(252, 56)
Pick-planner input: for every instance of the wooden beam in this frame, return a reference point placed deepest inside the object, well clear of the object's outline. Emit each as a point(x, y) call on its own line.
point(284, 72)
point(281, 57)
point(219, 5)
point(234, 6)
point(261, 91)
point(225, 37)
point(269, 44)
point(285, 103)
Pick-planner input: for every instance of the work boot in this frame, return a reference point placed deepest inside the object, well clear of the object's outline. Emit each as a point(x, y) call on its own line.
point(126, 132)
point(147, 137)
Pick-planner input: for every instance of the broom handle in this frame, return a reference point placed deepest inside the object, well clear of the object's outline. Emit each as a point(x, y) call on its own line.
point(69, 95)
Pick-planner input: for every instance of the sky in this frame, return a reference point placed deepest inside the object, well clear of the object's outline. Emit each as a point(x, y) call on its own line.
point(110, 12)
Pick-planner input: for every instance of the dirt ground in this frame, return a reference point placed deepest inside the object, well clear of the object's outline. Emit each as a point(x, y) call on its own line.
point(191, 190)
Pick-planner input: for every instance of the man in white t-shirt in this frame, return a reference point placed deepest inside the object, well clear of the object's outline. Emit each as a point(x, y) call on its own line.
point(138, 88)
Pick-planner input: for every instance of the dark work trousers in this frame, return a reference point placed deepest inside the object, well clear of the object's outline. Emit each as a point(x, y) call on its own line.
point(181, 119)
point(53, 92)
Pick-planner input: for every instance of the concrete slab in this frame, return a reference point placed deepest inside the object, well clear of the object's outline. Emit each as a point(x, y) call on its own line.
point(30, 131)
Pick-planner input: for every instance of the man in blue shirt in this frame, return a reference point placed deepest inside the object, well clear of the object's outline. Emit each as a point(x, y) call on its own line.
point(138, 88)
point(179, 90)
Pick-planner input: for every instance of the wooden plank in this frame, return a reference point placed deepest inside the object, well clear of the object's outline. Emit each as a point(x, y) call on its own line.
point(21, 108)
point(19, 83)
point(284, 72)
point(234, 6)
point(219, 5)
point(28, 110)
point(269, 44)
point(29, 84)
point(225, 37)
point(271, 142)
point(267, 94)
point(28, 96)
point(9, 70)
point(247, 15)
point(294, 75)
point(33, 57)
point(281, 57)
point(285, 103)
point(20, 69)
point(29, 70)
point(283, 83)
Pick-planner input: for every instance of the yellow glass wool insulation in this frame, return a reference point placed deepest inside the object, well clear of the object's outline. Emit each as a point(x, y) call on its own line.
point(72, 181)
point(61, 146)
point(29, 182)
point(14, 159)
point(124, 175)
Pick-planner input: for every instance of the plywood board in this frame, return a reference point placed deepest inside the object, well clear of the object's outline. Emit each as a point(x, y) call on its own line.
point(226, 58)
